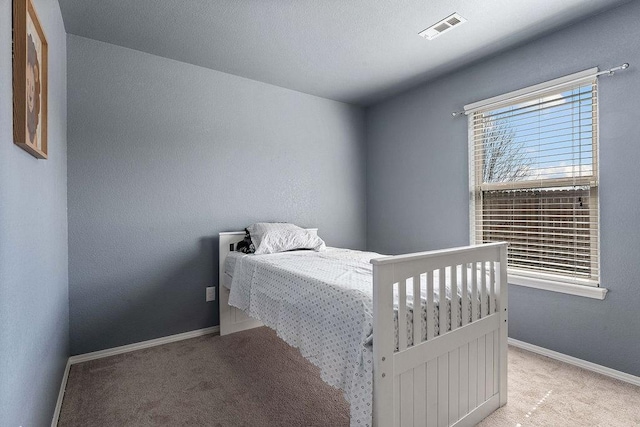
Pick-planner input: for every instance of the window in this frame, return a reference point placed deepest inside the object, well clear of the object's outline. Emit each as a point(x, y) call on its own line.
point(534, 178)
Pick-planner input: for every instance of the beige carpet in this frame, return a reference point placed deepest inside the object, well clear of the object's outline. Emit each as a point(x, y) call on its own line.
point(246, 379)
point(254, 379)
point(545, 392)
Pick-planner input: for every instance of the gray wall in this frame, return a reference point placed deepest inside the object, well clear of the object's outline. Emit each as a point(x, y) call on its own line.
point(163, 155)
point(34, 304)
point(417, 180)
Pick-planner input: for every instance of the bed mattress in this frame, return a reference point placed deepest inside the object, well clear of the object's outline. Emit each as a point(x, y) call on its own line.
point(322, 303)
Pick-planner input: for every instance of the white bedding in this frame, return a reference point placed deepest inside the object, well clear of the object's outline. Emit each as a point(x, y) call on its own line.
point(322, 303)
point(230, 264)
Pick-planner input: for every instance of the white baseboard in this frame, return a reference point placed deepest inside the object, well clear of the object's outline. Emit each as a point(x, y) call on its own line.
point(119, 350)
point(63, 387)
point(143, 344)
point(594, 367)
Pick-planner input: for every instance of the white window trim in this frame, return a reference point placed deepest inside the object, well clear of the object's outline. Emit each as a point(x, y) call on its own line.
point(531, 92)
point(528, 278)
point(583, 290)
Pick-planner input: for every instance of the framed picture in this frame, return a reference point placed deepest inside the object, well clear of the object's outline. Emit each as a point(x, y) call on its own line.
point(30, 65)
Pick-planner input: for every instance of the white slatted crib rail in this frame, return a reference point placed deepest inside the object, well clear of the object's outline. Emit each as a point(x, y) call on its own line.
point(451, 369)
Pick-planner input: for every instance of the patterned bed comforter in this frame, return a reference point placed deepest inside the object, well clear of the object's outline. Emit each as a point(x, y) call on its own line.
point(322, 303)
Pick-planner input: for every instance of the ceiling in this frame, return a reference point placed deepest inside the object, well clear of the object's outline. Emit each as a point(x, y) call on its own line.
point(355, 51)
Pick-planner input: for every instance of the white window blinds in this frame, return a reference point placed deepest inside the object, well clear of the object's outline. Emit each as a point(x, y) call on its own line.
point(534, 180)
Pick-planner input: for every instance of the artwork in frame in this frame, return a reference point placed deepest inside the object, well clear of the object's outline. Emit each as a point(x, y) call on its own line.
point(30, 65)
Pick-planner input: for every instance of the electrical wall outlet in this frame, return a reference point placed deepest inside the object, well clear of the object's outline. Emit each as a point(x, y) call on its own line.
point(211, 293)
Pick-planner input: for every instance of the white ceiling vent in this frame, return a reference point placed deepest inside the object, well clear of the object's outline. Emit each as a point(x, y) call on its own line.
point(443, 26)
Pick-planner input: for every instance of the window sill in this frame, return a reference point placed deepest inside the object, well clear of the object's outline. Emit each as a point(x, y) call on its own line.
point(565, 288)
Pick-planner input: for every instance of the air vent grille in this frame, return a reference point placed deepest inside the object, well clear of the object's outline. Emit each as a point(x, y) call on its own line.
point(453, 21)
point(442, 27)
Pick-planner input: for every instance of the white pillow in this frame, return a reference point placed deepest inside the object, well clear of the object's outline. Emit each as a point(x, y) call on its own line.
point(270, 238)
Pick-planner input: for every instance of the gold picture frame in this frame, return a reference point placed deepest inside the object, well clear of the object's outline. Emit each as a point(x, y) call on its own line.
point(30, 80)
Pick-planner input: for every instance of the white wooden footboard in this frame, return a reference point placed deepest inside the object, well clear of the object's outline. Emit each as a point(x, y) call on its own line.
point(457, 377)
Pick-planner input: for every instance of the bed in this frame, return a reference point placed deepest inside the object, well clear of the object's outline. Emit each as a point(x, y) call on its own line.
point(392, 375)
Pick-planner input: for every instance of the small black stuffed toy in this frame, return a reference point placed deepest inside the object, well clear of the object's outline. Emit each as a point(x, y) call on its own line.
point(246, 245)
